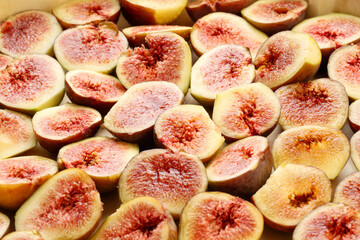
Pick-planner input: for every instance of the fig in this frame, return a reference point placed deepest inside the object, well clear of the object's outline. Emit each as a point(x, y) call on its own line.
point(4, 60)
point(348, 191)
point(153, 12)
point(199, 8)
point(67, 206)
point(133, 117)
point(96, 90)
point(287, 57)
point(80, 12)
point(16, 133)
point(322, 102)
point(246, 111)
point(355, 149)
point(57, 126)
point(23, 235)
point(21, 176)
point(331, 221)
point(136, 35)
point(102, 158)
point(272, 16)
point(217, 215)
point(331, 31)
point(29, 32)
point(343, 66)
point(291, 192)
point(354, 116)
point(221, 28)
point(139, 218)
point(170, 177)
point(325, 148)
point(4, 224)
point(168, 58)
point(31, 83)
point(89, 47)
point(242, 167)
point(219, 69)
point(188, 128)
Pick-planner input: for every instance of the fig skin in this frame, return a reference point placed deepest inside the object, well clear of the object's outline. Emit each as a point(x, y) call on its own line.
point(23, 235)
point(96, 156)
point(354, 120)
point(80, 12)
point(355, 150)
point(4, 224)
point(4, 60)
point(217, 215)
point(250, 162)
point(348, 191)
point(322, 102)
point(134, 212)
point(68, 199)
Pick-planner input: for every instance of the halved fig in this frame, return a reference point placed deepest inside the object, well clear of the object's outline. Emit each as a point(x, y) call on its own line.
point(287, 57)
point(170, 177)
point(344, 66)
point(220, 28)
point(16, 133)
point(89, 47)
point(272, 16)
point(80, 12)
point(188, 128)
point(246, 111)
point(348, 191)
point(217, 215)
point(102, 158)
point(354, 115)
point(67, 206)
point(57, 126)
point(331, 31)
point(291, 192)
point(4, 224)
point(322, 102)
point(325, 148)
point(93, 89)
point(167, 58)
point(355, 149)
point(31, 83)
point(136, 35)
point(133, 117)
point(23, 235)
point(331, 221)
point(29, 32)
point(139, 218)
point(21, 176)
point(219, 69)
point(242, 167)
point(153, 12)
point(4, 60)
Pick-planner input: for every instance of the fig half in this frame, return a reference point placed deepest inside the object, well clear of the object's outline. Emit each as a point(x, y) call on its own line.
point(354, 117)
point(4, 224)
point(67, 206)
point(216, 215)
point(139, 218)
point(348, 191)
point(23, 235)
point(4, 60)
point(355, 149)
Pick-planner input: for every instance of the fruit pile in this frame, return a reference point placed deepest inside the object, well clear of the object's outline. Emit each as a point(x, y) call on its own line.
point(180, 140)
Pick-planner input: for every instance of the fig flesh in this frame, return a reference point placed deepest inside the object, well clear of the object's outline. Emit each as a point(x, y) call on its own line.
point(325, 148)
point(29, 32)
point(170, 177)
point(242, 167)
point(246, 111)
point(21, 176)
point(4, 224)
point(287, 57)
point(331, 221)
point(322, 102)
point(219, 69)
point(355, 149)
point(331, 31)
point(16, 133)
point(348, 191)
point(4, 60)
point(96, 90)
point(88, 47)
point(67, 206)
point(168, 58)
point(31, 83)
point(57, 126)
point(216, 215)
point(291, 192)
point(139, 218)
point(102, 158)
point(272, 16)
point(80, 12)
point(354, 116)
point(133, 117)
point(344, 66)
point(221, 28)
point(23, 235)
point(188, 128)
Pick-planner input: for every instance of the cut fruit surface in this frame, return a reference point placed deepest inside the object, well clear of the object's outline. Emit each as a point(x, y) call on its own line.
point(348, 191)
point(355, 149)
point(4, 224)
point(4, 60)
point(23, 235)
point(354, 115)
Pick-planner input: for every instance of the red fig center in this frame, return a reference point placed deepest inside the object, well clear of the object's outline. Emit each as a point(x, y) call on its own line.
point(300, 200)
